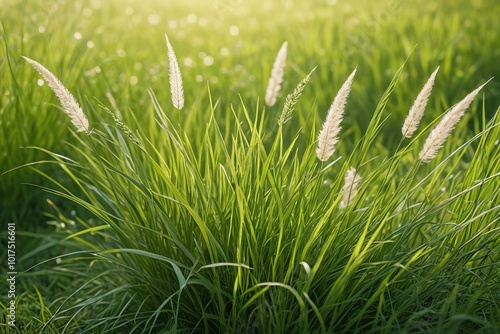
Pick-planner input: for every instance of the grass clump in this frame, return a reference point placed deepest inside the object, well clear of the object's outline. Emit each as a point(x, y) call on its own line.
point(220, 217)
point(199, 230)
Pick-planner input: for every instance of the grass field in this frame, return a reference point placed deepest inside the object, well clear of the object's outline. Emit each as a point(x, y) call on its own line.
point(216, 218)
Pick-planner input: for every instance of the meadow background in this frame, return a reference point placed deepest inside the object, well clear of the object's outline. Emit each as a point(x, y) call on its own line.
point(112, 54)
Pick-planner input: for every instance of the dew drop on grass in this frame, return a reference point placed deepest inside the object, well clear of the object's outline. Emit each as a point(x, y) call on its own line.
point(208, 61)
point(214, 80)
point(224, 52)
point(199, 78)
point(90, 44)
point(41, 29)
point(191, 18)
point(40, 82)
point(202, 21)
point(154, 19)
point(172, 24)
point(93, 71)
point(188, 61)
point(77, 35)
point(234, 30)
point(154, 69)
point(134, 80)
point(96, 4)
point(121, 53)
point(87, 12)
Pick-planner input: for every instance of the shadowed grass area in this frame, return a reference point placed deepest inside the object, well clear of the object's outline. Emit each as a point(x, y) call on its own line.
point(215, 218)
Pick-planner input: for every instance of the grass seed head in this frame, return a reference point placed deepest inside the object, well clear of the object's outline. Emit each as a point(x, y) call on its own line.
point(276, 78)
point(292, 99)
point(175, 78)
point(352, 182)
point(68, 102)
point(438, 135)
point(328, 136)
point(417, 110)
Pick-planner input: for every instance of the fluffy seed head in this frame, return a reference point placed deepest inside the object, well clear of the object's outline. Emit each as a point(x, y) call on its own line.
point(175, 78)
point(352, 182)
point(417, 110)
point(276, 78)
point(438, 135)
point(328, 136)
point(69, 104)
point(292, 99)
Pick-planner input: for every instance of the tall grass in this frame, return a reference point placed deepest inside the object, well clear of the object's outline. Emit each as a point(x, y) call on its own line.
point(220, 217)
point(228, 232)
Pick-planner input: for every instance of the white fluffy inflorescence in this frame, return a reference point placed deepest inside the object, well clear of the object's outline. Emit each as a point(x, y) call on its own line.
point(328, 136)
point(417, 110)
point(276, 78)
point(438, 135)
point(68, 102)
point(175, 78)
point(352, 182)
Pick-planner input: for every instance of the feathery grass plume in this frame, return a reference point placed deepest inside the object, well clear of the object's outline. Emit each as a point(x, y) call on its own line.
point(352, 182)
point(276, 78)
point(122, 126)
point(328, 136)
point(438, 135)
point(68, 101)
point(417, 110)
point(175, 78)
point(292, 99)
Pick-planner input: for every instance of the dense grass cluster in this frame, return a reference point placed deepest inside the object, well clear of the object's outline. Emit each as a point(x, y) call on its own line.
point(222, 205)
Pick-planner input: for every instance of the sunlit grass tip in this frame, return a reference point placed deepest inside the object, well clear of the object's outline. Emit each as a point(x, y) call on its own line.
point(438, 135)
point(175, 78)
point(276, 78)
point(328, 136)
point(292, 99)
point(68, 102)
point(417, 110)
point(352, 182)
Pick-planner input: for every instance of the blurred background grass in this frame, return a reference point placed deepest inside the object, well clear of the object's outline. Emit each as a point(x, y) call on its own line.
point(98, 48)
